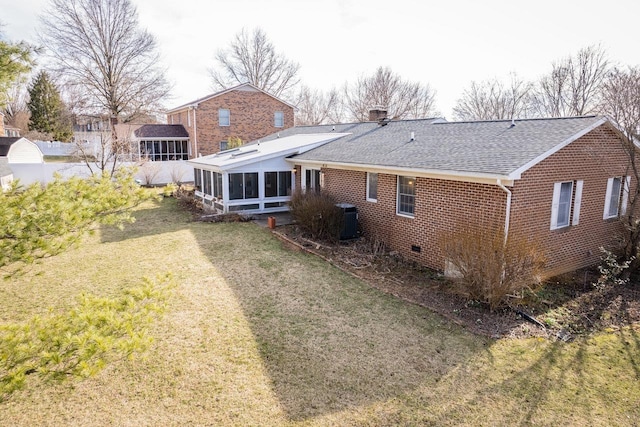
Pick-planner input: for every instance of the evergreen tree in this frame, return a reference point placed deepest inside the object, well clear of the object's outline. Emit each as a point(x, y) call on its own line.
point(47, 109)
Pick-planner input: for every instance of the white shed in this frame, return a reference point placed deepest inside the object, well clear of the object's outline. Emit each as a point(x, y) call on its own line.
point(20, 150)
point(255, 177)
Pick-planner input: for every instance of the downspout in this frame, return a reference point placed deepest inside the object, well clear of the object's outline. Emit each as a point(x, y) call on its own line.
point(507, 214)
point(195, 131)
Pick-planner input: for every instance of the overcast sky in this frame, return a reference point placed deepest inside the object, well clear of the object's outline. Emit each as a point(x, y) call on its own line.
point(446, 44)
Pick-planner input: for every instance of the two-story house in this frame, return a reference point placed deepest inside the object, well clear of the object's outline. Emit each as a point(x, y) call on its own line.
point(244, 111)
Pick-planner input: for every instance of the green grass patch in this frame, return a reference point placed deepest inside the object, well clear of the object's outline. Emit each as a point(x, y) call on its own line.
point(254, 334)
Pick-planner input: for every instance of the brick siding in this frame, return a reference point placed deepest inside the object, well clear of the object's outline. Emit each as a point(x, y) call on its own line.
point(441, 206)
point(251, 118)
point(594, 158)
point(444, 206)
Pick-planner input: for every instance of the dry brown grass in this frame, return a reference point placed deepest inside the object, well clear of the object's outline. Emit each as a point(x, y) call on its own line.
point(257, 335)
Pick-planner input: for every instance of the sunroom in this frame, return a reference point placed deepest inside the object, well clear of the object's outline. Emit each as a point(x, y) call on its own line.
point(253, 178)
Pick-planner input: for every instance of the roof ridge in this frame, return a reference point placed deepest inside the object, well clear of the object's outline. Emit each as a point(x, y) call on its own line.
point(528, 119)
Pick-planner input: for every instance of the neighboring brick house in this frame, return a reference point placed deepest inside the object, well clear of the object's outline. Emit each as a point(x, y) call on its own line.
point(243, 111)
point(562, 182)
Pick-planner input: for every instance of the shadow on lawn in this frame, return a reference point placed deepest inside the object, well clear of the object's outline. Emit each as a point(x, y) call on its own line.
point(329, 342)
point(565, 384)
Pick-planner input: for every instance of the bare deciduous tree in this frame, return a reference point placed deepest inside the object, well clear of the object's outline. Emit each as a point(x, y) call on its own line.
point(16, 112)
point(315, 107)
point(252, 58)
point(492, 100)
point(402, 99)
point(621, 101)
point(572, 88)
point(97, 45)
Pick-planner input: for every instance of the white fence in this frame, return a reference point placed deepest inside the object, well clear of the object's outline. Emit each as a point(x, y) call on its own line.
point(151, 173)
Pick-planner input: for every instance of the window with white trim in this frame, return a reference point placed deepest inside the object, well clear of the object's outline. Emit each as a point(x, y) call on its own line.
point(312, 180)
point(372, 187)
point(197, 179)
point(565, 204)
point(157, 151)
point(277, 184)
point(616, 197)
point(224, 117)
point(278, 119)
point(206, 182)
point(243, 186)
point(406, 200)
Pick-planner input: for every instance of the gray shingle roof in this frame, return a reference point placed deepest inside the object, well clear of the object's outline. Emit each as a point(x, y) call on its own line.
point(5, 144)
point(161, 131)
point(487, 147)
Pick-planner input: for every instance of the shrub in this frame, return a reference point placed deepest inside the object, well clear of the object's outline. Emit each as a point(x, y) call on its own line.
point(316, 213)
point(488, 270)
point(612, 270)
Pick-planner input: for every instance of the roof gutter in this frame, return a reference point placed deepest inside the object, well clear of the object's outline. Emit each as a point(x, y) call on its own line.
point(481, 178)
point(507, 214)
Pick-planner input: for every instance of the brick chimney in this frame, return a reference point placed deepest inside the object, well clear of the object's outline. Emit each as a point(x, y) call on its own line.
point(377, 114)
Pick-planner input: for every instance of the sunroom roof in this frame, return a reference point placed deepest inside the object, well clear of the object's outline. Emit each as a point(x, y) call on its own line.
point(259, 151)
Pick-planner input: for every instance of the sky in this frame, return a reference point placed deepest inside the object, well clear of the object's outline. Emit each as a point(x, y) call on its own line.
point(445, 44)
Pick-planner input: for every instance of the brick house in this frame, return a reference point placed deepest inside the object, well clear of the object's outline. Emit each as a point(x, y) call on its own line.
point(243, 111)
point(562, 182)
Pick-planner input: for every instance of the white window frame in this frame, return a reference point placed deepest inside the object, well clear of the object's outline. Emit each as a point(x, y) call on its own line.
point(398, 194)
point(622, 197)
point(278, 115)
point(369, 198)
point(220, 117)
point(316, 184)
point(575, 202)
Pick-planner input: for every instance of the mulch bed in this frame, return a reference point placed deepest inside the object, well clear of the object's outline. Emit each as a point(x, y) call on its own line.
point(566, 306)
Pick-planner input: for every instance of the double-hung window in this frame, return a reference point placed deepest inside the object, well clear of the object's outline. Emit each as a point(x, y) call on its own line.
point(615, 200)
point(565, 204)
point(406, 200)
point(372, 187)
point(278, 119)
point(224, 117)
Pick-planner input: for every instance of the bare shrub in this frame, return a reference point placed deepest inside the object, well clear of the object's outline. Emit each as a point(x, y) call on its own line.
point(226, 217)
point(177, 174)
point(149, 171)
point(487, 269)
point(316, 213)
point(187, 199)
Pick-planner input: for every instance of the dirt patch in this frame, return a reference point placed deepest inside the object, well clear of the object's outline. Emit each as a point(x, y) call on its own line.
point(566, 306)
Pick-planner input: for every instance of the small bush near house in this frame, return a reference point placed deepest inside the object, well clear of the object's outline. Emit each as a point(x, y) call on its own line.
point(486, 269)
point(316, 213)
point(612, 270)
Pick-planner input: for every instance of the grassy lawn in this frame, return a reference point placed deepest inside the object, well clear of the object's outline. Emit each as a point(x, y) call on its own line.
point(258, 335)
